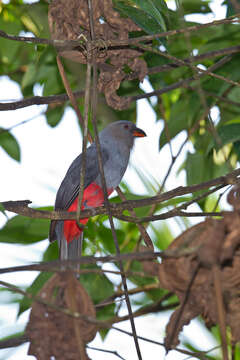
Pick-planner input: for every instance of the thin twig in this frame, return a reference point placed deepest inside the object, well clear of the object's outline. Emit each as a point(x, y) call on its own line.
point(197, 354)
point(133, 291)
point(181, 83)
point(197, 58)
point(182, 306)
point(220, 309)
point(69, 90)
point(2, 131)
point(85, 137)
point(104, 186)
point(105, 351)
point(189, 64)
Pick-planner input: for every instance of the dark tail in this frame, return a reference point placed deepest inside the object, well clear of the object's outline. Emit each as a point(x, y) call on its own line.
point(52, 231)
point(70, 251)
point(75, 247)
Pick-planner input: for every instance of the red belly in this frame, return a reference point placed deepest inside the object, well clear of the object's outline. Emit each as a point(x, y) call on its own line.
point(92, 197)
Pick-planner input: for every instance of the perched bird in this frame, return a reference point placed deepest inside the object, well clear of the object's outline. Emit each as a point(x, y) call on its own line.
point(116, 142)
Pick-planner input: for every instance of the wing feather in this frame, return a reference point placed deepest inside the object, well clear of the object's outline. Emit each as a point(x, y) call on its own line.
point(69, 188)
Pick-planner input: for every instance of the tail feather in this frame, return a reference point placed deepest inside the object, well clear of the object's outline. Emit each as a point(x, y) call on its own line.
point(71, 250)
point(75, 247)
point(52, 231)
point(56, 233)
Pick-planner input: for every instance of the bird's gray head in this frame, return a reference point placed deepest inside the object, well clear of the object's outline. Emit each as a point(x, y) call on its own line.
point(122, 131)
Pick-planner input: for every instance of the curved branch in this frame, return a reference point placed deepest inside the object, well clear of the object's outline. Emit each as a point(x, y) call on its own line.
point(38, 100)
point(21, 207)
point(44, 100)
point(71, 44)
point(208, 55)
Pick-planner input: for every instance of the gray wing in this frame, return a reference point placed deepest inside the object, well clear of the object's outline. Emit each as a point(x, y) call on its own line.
point(69, 188)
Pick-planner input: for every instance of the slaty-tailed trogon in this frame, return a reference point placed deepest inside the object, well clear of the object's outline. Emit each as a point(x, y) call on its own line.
point(116, 141)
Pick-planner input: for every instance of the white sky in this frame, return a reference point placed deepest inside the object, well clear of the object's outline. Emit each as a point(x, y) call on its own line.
point(45, 156)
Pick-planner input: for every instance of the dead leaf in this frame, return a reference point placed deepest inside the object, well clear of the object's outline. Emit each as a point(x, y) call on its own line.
point(212, 242)
point(53, 333)
point(69, 20)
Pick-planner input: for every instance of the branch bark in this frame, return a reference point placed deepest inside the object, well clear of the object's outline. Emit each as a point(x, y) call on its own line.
point(21, 207)
point(45, 100)
point(71, 44)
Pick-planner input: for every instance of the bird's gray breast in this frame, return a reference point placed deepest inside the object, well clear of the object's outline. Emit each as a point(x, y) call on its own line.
point(116, 165)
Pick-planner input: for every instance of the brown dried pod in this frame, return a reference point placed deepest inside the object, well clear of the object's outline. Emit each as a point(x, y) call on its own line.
point(210, 243)
point(52, 332)
point(69, 20)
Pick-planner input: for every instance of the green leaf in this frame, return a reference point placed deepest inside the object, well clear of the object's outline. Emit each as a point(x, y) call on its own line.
point(54, 115)
point(7, 52)
point(37, 13)
point(33, 289)
point(52, 82)
point(23, 230)
point(234, 94)
point(210, 204)
point(12, 336)
point(200, 168)
point(150, 296)
point(196, 168)
point(139, 280)
point(9, 144)
point(229, 70)
point(52, 252)
point(236, 147)
point(151, 8)
point(227, 134)
point(2, 209)
point(161, 6)
point(182, 116)
point(143, 19)
point(29, 78)
point(141, 211)
point(163, 236)
point(195, 6)
point(105, 312)
point(230, 132)
point(98, 286)
point(191, 346)
point(105, 236)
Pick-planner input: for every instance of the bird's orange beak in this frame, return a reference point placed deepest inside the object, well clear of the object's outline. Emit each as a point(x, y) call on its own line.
point(138, 132)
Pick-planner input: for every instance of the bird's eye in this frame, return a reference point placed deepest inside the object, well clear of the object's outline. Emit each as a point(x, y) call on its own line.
point(126, 126)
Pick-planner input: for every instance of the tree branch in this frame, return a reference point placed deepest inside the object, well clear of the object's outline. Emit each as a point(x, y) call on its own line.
point(38, 100)
point(21, 207)
point(71, 44)
point(208, 55)
point(44, 100)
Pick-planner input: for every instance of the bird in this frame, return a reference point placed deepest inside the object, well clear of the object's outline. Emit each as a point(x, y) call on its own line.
point(116, 141)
